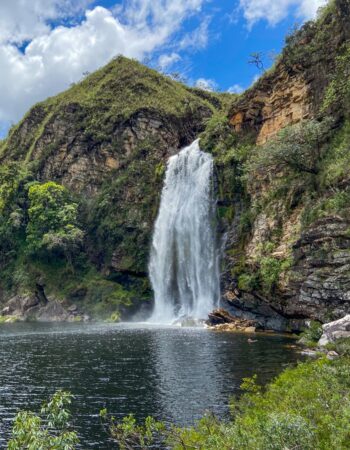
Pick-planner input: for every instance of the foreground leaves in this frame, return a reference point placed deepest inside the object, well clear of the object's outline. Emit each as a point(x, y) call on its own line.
point(48, 431)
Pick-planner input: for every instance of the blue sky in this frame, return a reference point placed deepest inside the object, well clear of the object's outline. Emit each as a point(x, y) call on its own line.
point(45, 45)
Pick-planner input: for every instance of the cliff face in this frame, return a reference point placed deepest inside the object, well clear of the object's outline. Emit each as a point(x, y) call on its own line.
point(310, 255)
point(294, 89)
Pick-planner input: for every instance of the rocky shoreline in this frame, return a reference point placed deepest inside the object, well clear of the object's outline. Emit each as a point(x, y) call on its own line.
point(31, 307)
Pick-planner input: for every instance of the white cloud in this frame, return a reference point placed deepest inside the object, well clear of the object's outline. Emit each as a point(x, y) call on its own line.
point(165, 61)
point(198, 38)
point(235, 89)
point(276, 10)
point(57, 57)
point(206, 84)
point(309, 8)
point(20, 21)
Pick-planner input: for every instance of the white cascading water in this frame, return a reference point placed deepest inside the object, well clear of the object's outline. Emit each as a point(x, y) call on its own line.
point(184, 262)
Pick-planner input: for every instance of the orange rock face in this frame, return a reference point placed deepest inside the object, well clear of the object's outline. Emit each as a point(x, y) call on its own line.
point(287, 104)
point(274, 103)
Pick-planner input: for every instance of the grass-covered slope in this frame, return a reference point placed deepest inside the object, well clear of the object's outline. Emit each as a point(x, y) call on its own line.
point(106, 97)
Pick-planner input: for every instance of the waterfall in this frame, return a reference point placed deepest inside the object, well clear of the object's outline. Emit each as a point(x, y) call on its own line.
point(184, 262)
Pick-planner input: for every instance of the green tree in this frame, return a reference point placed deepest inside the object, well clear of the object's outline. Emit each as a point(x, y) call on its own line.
point(53, 223)
point(298, 148)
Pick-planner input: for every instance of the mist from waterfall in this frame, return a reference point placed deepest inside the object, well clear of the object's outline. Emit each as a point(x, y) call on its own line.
point(184, 260)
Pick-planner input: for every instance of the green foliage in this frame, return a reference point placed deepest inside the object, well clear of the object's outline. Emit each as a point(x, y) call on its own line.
point(265, 275)
point(305, 408)
point(12, 178)
point(342, 347)
point(305, 45)
point(298, 148)
point(48, 431)
point(160, 170)
point(338, 91)
point(337, 203)
point(130, 435)
point(230, 152)
point(8, 319)
point(311, 335)
point(248, 282)
point(335, 166)
point(114, 317)
point(250, 385)
point(270, 270)
point(218, 137)
point(53, 224)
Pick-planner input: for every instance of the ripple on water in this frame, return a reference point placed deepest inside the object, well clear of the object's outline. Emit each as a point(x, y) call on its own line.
point(171, 373)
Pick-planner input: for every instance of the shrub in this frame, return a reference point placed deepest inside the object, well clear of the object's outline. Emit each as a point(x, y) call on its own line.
point(338, 91)
point(270, 271)
point(298, 148)
point(248, 282)
point(310, 336)
point(338, 203)
point(50, 430)
point(307, 407)
point(53, 223)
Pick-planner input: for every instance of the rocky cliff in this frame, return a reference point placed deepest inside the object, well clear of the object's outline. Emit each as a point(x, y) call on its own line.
point(282, 165)
point(288, 249)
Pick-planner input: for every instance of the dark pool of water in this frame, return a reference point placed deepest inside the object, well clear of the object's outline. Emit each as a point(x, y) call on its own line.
point(175, 374)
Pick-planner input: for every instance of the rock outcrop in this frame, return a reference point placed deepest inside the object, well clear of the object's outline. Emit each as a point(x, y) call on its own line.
point(294, 90)
point(32, 308)
point(320, 278)
point(333, 331)
point(309, 260)
point(222, 320)
point(275, 102)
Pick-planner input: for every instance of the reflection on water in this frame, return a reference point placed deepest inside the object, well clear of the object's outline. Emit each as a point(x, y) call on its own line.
point(174, 374)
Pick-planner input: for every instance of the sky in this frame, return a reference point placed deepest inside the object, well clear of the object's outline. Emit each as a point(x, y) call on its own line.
point(46, 45)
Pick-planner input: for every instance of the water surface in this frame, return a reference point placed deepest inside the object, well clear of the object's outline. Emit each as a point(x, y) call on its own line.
point(176, 374)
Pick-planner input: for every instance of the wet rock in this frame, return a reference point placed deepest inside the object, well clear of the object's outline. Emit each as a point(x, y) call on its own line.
point(222, 320)
point(249, 330)
point(309, 352)
point(73, 308)
point(335, 330)
point(19, 305)
point(219, 316)
point(53, 312)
